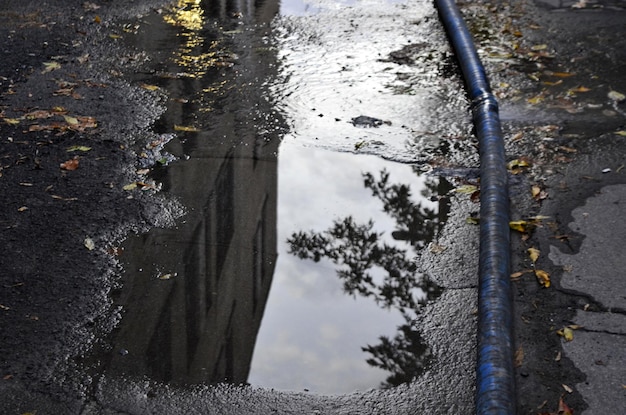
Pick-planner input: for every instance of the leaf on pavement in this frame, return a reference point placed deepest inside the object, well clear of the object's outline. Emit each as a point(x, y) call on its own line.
point(12, 121)
point(520, 225)
point(71, 164)
point(149, 87)
point(516, 166)
point(534, 254)
point(89, 244)
point(567, 333)
point(616, 96)
point(50, 66)
point(543, 277)
point(564, 409)
point(466, 189)
point(78, 148)
point(186, 129)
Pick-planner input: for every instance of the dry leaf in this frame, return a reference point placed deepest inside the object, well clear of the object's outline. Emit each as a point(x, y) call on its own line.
point(149, 87)
point(50, 66)
point(71, 164)
point(567, 334)
point(89, 244)
point(519, 225)
point(616, 96)
point(534, 254)
point(186, 129)
point(543, 277)
point(12, 121)
point(466, 189)
point(78, 148)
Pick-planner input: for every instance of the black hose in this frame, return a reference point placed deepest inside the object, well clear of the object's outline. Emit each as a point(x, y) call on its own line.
point(495, 389)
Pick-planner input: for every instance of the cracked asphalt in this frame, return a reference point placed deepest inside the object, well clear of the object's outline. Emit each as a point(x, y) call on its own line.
point(54, 303)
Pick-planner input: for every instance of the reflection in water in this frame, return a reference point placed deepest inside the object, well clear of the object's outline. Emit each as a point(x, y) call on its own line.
point(193, 297)
point(358, 250)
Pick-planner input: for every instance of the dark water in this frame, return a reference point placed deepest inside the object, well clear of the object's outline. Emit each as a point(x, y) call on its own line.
point(293, 266)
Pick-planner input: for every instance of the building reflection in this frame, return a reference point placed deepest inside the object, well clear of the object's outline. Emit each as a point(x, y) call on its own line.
point(193, 297)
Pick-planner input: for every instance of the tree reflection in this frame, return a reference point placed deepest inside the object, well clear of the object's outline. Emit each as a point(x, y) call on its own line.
point(370, 267)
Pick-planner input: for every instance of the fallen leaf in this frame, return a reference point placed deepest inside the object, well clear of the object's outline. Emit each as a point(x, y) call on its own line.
point(516, 166)
point(12, 121)
point(39, 114)
point(472, 220)
point(539, 47)
point(519, 225)
point(51, 66)
point(534, 254)
point(616, 96)
point(71, 164)
point(78, 148)
point(186, 129)
point(130, 186)
point(579, 89)
point(89, 244)
point(466, 189)
point(567, 334)
point(543, 278)
point(567, 388)
point(71, 120)
point(149, 87)
point(564, 409)
point(22, 209)
point(621, 132)
point(518, 274)
point(165, 276)
point(562, 74)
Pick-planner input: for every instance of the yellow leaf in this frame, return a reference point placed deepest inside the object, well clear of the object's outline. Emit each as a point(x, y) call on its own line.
point(50, 66)
point(114, 36)
point(130, 186)
point(566, 333)
point(472, 220)
point(534, 254)
point(519, 225)
point(515, 166)
point(12, 121)
point(149, 87)
point(539, 47)
point(466, 189)
point(543, 278)
point(535, 191)
point(71, 120)
point(580, 89)
point(22, 209)
point(562, 74)
point(536, 99)
point(186, 129)
point(621, 132)
point(78, 148)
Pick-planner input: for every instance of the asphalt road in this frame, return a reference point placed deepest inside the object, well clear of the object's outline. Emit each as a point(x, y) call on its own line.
point(564, 116)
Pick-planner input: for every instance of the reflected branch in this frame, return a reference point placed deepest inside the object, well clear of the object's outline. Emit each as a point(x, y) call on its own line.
point(361, 254)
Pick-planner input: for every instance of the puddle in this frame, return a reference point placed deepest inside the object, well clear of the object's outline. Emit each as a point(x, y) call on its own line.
point(258, 146)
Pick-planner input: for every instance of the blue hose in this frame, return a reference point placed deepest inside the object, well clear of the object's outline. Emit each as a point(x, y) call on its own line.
point(495, 389)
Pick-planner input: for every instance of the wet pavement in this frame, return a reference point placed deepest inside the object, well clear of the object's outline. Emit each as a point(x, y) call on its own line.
point(223, 208)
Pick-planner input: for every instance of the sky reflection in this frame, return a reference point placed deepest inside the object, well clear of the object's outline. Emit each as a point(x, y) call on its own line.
point(312, 332)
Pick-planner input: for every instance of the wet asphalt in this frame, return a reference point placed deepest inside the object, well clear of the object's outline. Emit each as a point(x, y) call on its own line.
point(55, 294)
